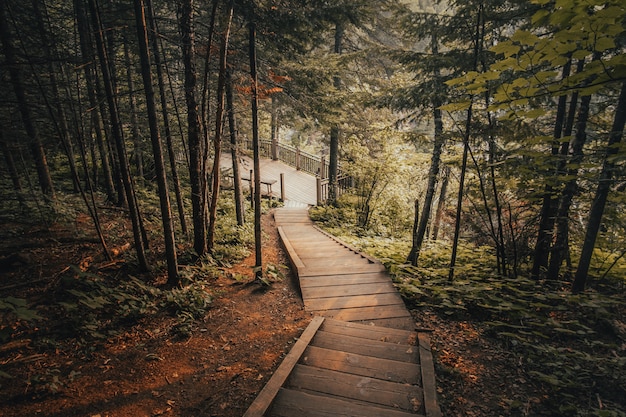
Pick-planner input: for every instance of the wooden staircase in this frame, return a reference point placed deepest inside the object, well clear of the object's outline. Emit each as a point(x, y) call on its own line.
point(361, 356)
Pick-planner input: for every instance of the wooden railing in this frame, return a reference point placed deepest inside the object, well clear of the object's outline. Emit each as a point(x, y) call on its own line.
point(306, 162)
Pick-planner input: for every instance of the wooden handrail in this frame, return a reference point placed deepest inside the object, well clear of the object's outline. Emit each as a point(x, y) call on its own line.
point(306, 162)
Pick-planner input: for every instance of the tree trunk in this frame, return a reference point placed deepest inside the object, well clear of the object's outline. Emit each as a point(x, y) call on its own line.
point(219, 128)
point(442, 202)
point(196, 166)
point(609, 167)
point(134, 127)
point(166, 119)
point(116, 131)
point(433, 172)
point(159, 164)
point(466, 138)
point(36, 146)
point(546, 214)
point(333, 163)
point(414, 253)
point(258, 266)
point(88, 65)
point(234, 150)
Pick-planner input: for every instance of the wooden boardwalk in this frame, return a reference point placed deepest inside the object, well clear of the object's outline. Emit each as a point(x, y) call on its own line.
point(361, 355)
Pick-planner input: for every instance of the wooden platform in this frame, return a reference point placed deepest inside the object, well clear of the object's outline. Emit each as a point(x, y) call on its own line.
point(361, 356)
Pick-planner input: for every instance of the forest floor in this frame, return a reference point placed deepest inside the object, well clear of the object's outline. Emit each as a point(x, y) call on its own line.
point(214, 368)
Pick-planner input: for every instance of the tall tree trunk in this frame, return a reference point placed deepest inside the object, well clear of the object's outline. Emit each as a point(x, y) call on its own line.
point(134, 126)
point(258, 266)
point(546, 214)
point(234, 150)
point(466, 139)
point(433, 172)
point(196, 166)
point(219, 128)
point(36, 146)
point(159, 164)
point(116, 131)
point(166, 118)
point(569, 191)
point(609, 167)
point(333, 163)
point(560, 248)
point(88, 65)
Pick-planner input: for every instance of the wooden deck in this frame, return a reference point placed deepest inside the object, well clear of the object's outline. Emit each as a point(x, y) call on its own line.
point(361, 355)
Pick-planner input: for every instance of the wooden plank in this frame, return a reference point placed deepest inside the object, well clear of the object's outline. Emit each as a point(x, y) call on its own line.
point(290, 403)
point(370, 332)
point(428, 376)
point(328, 281)
point(332, 263)
point(268, 393)
point(400, 323)
point(367, 313)
point(348, 290)
point(362, 388)
point(353, 363)
point(375, 348)
point(321, 271)
point(293, 255)
point(357, 301)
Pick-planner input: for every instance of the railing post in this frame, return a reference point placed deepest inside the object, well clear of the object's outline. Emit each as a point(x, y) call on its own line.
point(322, 169)
point(282, 187)
point(318, 181)
point(298, 159)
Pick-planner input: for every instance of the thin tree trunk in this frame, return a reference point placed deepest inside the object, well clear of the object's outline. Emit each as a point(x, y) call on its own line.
point(234, 150)
point(258, 266)
point(88, 64)
point(609, 167)
point(442, 202)
point(196, 167)
point(134, 127)
point(466, 138)
point(116, 131)
point(433, 172)
point(546, 216)
point(333, 163)
point(219, 128)
point(166, 118)
point(36, 146)
point(159, 164)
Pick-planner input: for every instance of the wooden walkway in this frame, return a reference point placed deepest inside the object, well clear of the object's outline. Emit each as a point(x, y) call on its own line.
point(361, 355)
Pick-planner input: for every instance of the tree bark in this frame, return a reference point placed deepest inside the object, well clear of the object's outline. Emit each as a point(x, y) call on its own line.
point(88, 65)
point(166, 118)
point(333, 163)
point(159, 164)
point(609, 167)
point(196, 165)
point(442, 201)
point(258, 266)
point(219, 128)
point(116, 131)
point(433, 172)
point(234, 150)
point(546, 214)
